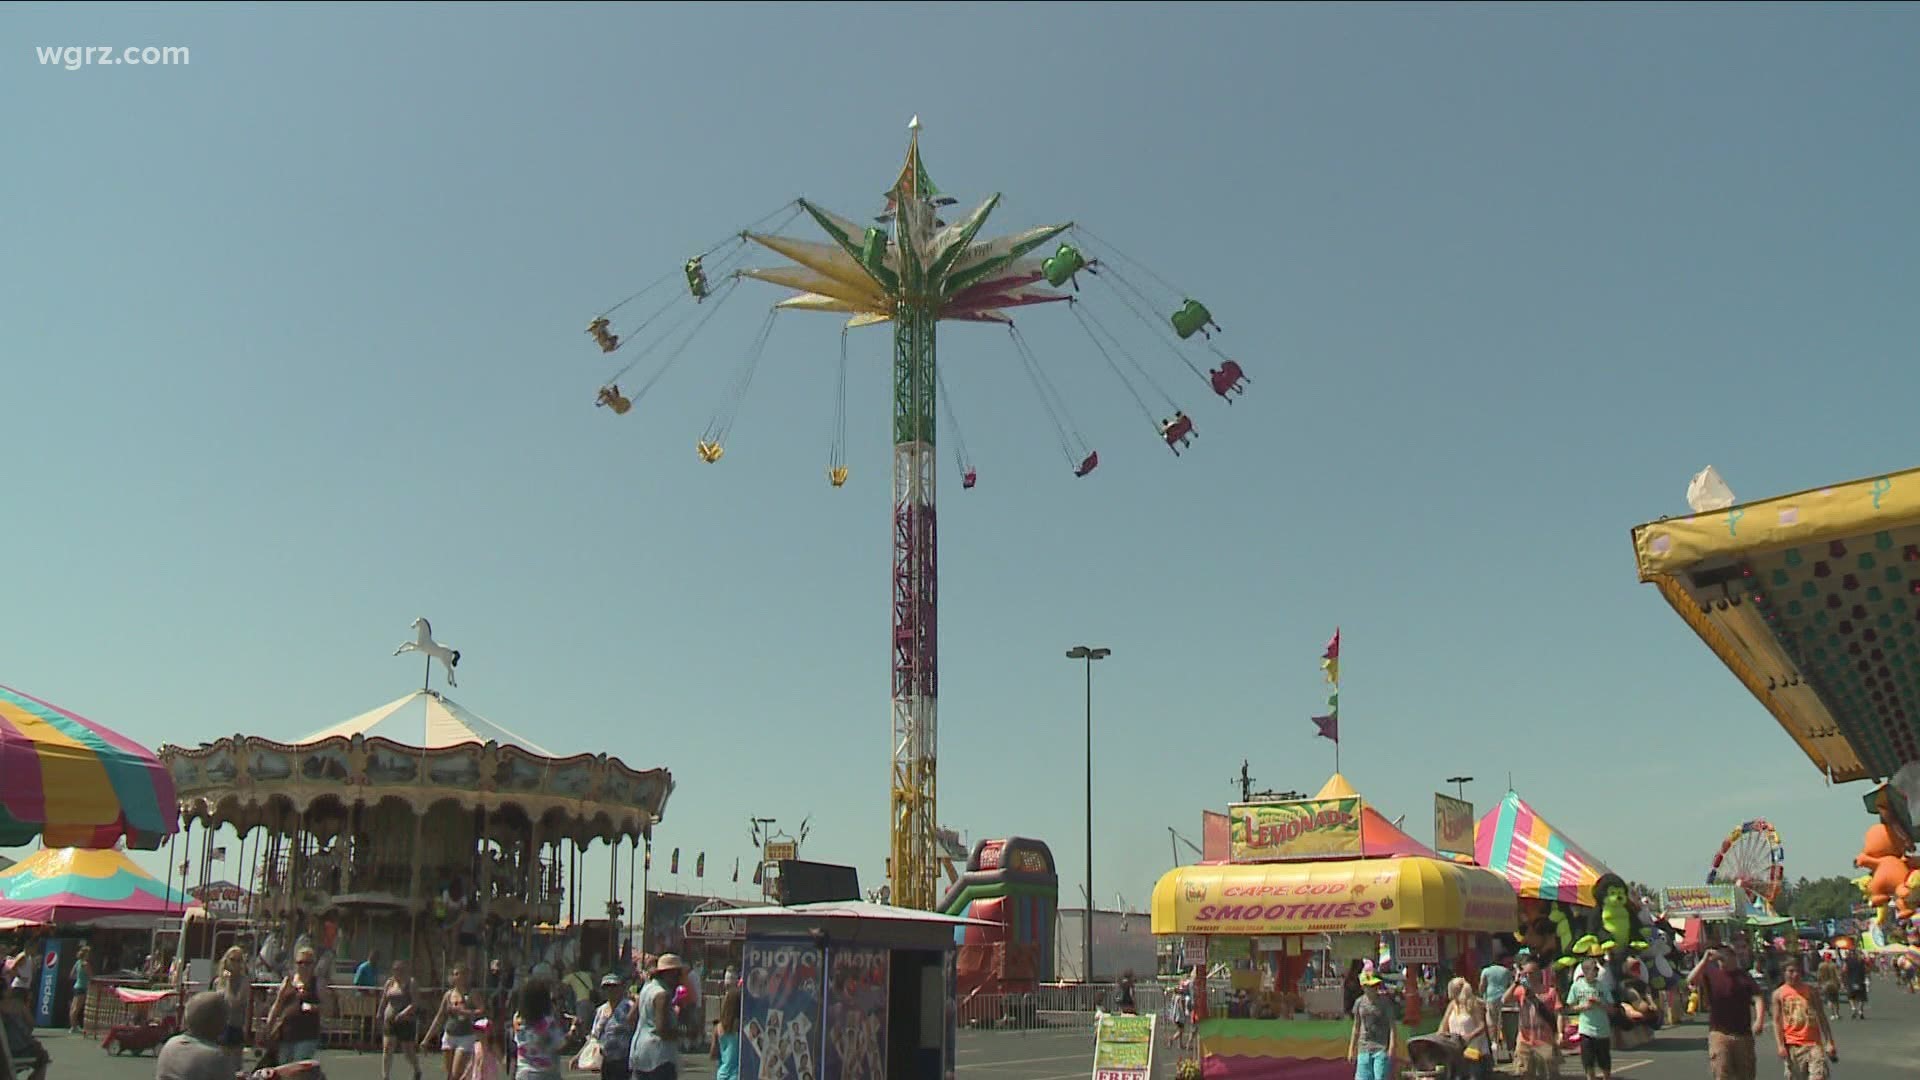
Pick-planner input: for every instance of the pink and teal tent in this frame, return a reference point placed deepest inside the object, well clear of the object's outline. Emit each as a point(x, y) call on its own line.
point(1535, 858)
point(85, 885)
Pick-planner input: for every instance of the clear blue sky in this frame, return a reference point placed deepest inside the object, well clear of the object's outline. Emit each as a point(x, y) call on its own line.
point(292, 353)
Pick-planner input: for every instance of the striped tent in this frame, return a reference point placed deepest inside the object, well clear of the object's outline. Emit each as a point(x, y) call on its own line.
point(93, 886)
point(1535, 858)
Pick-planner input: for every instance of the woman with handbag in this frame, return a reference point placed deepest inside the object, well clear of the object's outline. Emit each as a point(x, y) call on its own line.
point(294, 1021)
point(1466, 1018)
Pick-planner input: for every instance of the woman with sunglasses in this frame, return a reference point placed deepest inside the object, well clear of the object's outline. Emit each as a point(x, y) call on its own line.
point(294, 1020)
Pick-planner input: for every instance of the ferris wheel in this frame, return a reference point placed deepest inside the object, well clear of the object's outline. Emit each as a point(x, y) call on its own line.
point(1752, 858)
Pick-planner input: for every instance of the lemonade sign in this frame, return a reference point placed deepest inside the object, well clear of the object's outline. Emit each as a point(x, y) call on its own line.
point(1123, 1048)
point(1307, 829)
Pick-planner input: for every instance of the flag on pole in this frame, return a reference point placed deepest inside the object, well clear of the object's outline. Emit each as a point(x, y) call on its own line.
point(676, 862)
point(1330, 660)
point(1329, 724)
point(758, 868)
point(700, 865)
point(736, 869)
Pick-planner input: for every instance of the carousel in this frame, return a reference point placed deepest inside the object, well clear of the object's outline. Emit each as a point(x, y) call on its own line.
point(418, 830)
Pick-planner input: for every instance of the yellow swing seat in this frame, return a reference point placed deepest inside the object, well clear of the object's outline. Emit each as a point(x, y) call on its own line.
point(606, 340)
point(837, 475)
point(611, 397)
point(710, 452)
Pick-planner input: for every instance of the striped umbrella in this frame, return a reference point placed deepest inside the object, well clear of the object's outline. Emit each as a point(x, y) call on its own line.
point(73, 783)
point(1535, 858)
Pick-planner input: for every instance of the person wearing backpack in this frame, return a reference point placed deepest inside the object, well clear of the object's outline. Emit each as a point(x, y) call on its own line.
point(613, 1027)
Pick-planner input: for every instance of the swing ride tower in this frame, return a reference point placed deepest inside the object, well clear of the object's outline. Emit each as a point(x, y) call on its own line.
point(913, 270)
point(924, 272)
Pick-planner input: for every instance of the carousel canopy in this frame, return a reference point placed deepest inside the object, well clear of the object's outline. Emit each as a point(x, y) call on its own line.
point(90, 886)
point(1535, 858)
point(1813, 601)
point(421, 749)
point(427, 719)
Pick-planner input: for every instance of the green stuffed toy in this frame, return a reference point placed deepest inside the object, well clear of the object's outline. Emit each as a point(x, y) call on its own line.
point(1618, 917)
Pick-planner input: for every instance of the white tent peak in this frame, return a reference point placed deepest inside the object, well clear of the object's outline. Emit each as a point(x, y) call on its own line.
point(426, 719)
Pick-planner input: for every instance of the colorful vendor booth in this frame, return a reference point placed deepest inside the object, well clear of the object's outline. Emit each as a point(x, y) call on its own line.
point(1310, 888)
point(1571, 906)
point(846, 990)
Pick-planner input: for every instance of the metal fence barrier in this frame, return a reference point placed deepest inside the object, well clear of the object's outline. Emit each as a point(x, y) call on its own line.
point(1061, 1005)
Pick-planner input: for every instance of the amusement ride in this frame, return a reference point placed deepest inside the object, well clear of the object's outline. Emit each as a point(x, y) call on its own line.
point(1752, 858)
point(912, 269)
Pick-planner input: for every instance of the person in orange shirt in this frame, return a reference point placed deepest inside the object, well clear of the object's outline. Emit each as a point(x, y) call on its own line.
point(1800, 1026)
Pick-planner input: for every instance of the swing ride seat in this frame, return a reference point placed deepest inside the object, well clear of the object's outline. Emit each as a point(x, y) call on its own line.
point(1060, 267)
point(1091, 463)
point(1228, 379)
point(1177, 430)
point(837, 475)
point(607, 341)
point(1192, 318)
point(611, 397)
point(709, 452)
point(968, 479)
point(696, 278)
point(873, 253)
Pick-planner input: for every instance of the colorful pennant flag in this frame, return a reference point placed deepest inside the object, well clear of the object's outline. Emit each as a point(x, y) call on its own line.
point(676, 862)
point(1330, 660)
point(736, 869)
point(1328, 725)
point(700, 865)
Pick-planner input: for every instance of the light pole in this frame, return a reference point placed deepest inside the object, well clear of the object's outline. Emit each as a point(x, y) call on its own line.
point(1460, 785)
point(1082, 652)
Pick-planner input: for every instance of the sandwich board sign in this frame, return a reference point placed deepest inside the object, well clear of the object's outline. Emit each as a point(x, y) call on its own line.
point(1123, 1047)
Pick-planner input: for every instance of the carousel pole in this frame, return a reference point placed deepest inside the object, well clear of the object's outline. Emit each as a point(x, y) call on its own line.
point(646, 894)
point(167, 908)
point(633, 856)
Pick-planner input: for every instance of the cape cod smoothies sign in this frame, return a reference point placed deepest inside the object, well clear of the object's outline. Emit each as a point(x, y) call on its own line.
point(1344, 903)
point(1309, 829)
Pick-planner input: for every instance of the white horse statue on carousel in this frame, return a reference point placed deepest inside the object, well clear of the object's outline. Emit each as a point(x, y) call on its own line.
point(423, 643)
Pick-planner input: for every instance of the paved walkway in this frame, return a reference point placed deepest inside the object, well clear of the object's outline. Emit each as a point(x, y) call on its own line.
point(1883, 1047)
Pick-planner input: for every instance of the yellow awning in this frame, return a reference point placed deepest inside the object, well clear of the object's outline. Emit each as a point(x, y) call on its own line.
point(1353, 896)
point(1809, 600)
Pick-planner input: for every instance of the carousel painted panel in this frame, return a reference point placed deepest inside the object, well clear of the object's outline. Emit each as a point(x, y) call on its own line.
point(325, 765)
point(517, 772)
point(269, 766)
point(571, 779)
point(459, 768)
point(389, 766)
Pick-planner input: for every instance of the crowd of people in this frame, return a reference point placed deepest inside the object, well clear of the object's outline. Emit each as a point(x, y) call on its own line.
point(1799, 1006)
point(637, 1032)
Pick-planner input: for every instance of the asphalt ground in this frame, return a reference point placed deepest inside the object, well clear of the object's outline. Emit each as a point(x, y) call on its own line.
point(1886, 1046)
